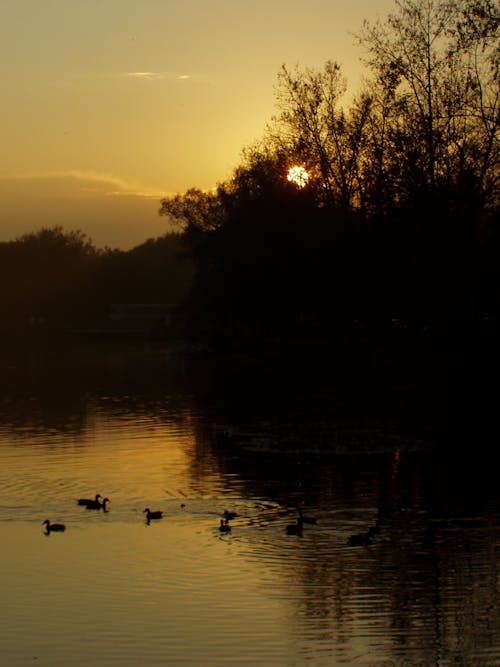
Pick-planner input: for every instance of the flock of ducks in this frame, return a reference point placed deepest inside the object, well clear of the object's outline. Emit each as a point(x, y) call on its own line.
point(94, 504)
point(297, 528)
point(99, 503)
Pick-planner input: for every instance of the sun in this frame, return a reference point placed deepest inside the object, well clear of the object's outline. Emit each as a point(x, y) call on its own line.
point(298, 175)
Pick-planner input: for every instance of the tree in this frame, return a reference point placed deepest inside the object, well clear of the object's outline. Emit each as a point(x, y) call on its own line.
point(442, 61)
point(45, 274)
point(400, 183)
point(313, 125)
point(195, 210)
point(477, 39)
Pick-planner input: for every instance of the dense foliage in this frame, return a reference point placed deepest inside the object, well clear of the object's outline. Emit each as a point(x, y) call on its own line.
point(395, 233)
point(398, 221)
point(53, 280)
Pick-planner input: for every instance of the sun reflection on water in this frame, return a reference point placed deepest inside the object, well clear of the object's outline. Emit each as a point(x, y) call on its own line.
point(113, 590)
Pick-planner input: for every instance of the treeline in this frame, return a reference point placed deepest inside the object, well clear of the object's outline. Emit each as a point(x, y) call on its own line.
point(396, 226)
point(53, 280)
point(393, 236)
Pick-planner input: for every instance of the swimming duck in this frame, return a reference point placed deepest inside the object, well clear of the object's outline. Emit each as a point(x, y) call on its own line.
point(153, 515)
point(224, 526)
point(360, 540)
point(54, 527)
point(229, 515)
point(87, 501)
point(307, 519)
point(96, 505)
point(295, 528)
point(363, 539)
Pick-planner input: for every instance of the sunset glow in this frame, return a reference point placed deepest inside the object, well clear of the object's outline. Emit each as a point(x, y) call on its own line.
point(298, 176)
point(161, 97)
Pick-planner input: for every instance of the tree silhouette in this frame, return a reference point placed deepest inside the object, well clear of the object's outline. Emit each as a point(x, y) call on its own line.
point(438, 62)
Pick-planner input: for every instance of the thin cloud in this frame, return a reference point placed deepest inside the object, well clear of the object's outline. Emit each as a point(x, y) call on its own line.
point(104, 184)
point(149, 76)
point(166, 76)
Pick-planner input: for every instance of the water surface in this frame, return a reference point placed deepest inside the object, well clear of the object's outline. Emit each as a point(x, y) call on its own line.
point(143, 430)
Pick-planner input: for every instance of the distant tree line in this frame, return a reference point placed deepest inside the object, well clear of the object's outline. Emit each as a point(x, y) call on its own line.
point(52, 280)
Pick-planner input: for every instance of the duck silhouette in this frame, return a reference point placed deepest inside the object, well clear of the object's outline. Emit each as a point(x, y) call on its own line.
point(53, 527)
point(295, 528)
point(224, 526)
point(96, 505)
point(157, 514)
point(229, 515)
point(363, 539)
point(360, 540)
point(307, 519)
point(88, 501)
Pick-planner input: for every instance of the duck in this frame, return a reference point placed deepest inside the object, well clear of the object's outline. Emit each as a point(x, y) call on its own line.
point(96, 505)
point(158, 514)
point(224, 526)
point(295, 528)
point(307, 519)
point(363, 539)
point(229, 515)
point(54, 527)
point(88, 501)
point(360, 540)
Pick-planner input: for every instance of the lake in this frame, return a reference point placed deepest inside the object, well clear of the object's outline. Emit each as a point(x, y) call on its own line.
point(151, 428)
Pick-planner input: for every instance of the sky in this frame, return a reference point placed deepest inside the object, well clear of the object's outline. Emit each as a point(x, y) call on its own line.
point(109, 105)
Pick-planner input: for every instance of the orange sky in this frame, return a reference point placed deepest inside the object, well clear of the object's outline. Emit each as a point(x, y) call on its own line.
point(109, 104)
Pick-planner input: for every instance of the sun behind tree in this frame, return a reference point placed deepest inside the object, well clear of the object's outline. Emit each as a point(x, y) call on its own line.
point(298, 176)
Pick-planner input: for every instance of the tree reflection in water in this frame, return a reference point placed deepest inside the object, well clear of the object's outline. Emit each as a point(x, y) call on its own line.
point(424, 590)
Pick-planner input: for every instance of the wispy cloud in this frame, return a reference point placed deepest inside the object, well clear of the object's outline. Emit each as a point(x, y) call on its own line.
point(166, 76)
point(149, 76)
point(152, 76)
point(90, 183)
